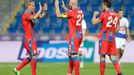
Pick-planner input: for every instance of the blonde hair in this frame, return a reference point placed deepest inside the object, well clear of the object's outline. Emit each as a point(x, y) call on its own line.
point(28, 2)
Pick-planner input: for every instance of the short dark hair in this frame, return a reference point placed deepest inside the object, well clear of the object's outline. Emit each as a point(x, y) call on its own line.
point(120, 10)
point(107, 3)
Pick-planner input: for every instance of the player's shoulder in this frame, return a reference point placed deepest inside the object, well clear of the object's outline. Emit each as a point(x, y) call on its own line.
point(124, 19)
point(24, 14)
point(103, 13)
point(78, 9)
point(113, 13)
point(69, 10)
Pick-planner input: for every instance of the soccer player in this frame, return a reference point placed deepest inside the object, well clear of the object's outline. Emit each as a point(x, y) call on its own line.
point(81, 57)
point(84, 26)
point(29, 41)
point(122, 35)
point(110, 24)
point(74, 16)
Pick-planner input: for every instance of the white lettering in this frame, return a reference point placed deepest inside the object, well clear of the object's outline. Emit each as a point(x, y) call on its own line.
point(62, 53)
point(50, 52)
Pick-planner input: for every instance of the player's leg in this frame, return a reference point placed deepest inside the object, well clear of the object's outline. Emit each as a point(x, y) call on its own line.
point(120, 54)
point(33, 65)
point(102, 64)
point(120, 46)
point(81, 58)
point(76, 63)
point(70, 63)
point(25, 61)
point(103, 49)
point(34, 57)
point(116, 64)
point(73, 51)
point(77, 43)
point(113, 56)
point(70, 68)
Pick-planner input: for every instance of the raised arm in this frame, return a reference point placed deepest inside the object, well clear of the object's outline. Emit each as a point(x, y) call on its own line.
point(44, 11)
point(94, 19)
point(37, 14)
point(58, 13)
point(63, 6)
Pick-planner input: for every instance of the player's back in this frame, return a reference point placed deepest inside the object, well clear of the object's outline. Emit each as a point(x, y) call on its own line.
point(109, 21)
point(75, 22)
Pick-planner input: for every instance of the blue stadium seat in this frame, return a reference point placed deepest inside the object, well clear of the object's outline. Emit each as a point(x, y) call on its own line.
point(93, 29)
point(129, 2)
point(67, 29)
point(37, 28)
point(21, 30)
point(12, 30)
point(131, 25)
point(53, 19)
point(47, 28)
point(117, 7)
point(58, 27)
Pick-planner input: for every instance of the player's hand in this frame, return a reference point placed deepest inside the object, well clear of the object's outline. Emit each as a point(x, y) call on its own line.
point(96, 13)
point(40, 6)
point(45, 7)
point(129, 39)
point(56, 2)
point(63, 4)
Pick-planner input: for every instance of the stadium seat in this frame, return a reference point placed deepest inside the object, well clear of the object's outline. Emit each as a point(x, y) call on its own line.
point(88, 7)
point(37, 28)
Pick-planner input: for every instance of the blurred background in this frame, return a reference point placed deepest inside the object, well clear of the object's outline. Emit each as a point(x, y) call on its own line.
point(51, 34)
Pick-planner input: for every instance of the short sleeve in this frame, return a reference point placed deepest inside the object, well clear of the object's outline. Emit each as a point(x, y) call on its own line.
point(101, 17)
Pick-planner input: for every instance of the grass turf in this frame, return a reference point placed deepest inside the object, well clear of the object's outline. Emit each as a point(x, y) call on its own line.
point(61, 69)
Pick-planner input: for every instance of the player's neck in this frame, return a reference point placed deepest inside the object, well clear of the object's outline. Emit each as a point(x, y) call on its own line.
point(28, 11)
point(106, 9)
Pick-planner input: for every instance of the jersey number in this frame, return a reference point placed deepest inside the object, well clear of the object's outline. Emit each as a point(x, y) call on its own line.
point(79, 18)
point(112, 21)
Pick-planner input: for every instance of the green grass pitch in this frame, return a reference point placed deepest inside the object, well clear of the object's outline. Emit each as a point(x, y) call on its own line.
point(61, 69)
